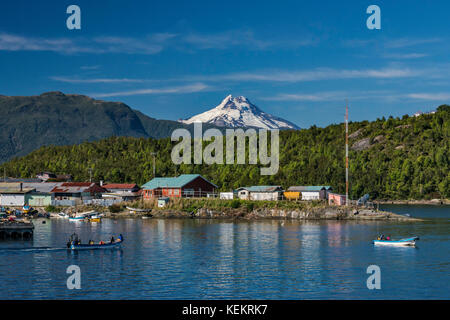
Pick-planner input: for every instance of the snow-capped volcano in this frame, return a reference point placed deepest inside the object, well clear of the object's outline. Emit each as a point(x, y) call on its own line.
point(240, 112)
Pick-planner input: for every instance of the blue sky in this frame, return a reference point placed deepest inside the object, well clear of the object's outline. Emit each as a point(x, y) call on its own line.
point(298, 60)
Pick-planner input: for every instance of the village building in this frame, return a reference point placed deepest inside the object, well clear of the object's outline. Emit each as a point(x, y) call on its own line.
point(227, 195)
point(50, 176)
point(14, 194)
point(185, 185)
point(307, 192)
point(42, 195)
point(336, 199)
point(77, 191)
point(122, 192)
point(260, 193)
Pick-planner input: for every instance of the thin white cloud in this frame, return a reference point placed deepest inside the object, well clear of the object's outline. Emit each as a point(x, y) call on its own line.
point(150, 44)
point(309, 97)
point(391, 43)
point(90, 67)
point(247, 39)
point(197, 87)
point(410, 42)
point(9, 42)
point(442, 96)
point(314, 75)
point(388, 95)
point(403, 56)
point(333, 96)
point(97, 80)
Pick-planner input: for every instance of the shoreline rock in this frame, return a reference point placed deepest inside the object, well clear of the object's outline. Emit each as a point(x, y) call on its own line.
point(325, 213)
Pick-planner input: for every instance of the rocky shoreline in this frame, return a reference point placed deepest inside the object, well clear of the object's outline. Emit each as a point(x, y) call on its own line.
point(436, 202)
point(319, 213)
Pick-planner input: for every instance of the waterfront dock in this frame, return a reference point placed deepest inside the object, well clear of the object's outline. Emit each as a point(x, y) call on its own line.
point(16, 230)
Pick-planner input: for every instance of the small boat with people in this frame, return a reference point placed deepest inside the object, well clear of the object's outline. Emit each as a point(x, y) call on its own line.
point(387, 241)
point(74, 243)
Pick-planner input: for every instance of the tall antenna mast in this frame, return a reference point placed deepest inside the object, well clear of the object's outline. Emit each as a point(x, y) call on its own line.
point(346, 152)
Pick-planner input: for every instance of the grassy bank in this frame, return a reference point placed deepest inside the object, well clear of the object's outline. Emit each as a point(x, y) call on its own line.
point(193, 204)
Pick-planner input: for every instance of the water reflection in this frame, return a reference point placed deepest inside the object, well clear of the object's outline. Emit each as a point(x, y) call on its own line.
point(199, 259)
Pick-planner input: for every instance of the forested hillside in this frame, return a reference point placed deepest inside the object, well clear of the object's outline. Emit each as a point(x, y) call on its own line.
point(30, 122)
point(391, 158)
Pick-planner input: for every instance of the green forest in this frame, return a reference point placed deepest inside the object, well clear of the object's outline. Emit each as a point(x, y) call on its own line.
point(394, 158)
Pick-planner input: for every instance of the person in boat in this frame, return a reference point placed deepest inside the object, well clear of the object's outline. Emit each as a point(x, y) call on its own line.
point(91, 242)
point(388, 238)
point(101, 242)
point(120, 238)
point(112, 239)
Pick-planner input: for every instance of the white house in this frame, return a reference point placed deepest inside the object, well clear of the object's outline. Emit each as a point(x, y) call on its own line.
point(226, 195)
point(16, 197)
point(260, 193)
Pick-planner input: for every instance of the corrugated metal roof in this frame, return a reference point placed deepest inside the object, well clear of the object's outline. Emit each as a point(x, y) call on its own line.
point(120, 186)
point(172, 182)
point(262, 188)
point(15, 191)
point(77, 184)
point(44, 187)
point(308, 188)
point(77, 187)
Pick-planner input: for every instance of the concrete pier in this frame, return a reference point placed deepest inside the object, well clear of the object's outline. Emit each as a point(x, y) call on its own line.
point(16, 230)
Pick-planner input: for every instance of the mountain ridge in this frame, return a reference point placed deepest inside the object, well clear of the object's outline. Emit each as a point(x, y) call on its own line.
point(56, 118)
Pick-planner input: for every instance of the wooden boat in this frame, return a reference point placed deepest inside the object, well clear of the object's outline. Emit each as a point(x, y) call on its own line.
point(72, 245)
point(108, 245)
point(82, 216)
point(59, 215)
point(137, 210)
point(398, 243)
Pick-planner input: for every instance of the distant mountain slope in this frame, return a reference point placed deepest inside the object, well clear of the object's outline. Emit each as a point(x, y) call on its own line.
point(55, 118)
point(240, 112)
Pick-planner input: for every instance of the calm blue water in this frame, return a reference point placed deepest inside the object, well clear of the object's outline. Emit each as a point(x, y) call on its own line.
point(209, 259)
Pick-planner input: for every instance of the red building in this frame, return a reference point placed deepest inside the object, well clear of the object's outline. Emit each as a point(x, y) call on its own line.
point(185, 185)
point(77, 191)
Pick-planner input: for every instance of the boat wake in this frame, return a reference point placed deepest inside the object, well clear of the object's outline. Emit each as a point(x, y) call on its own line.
point(31, 249)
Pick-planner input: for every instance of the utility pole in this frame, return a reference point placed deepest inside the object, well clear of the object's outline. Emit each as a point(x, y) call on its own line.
point(154, 163)
point(346, 153)
point(90, 174)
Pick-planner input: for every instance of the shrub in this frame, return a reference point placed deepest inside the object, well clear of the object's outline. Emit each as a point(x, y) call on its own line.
point(50, 208)
point(235, 204)
point(115, 208)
